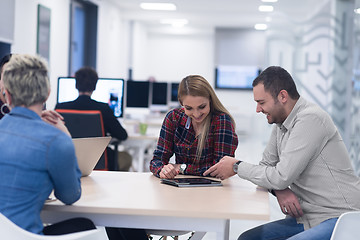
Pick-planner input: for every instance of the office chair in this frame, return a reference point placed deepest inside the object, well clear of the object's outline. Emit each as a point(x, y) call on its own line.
point(174, 234)
point(10, 231)
point(86, 123)
point(347, 227)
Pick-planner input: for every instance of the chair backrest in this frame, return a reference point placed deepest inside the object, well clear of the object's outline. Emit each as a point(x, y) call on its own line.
point(10, 231)
point(347, 227)
point(86, 123)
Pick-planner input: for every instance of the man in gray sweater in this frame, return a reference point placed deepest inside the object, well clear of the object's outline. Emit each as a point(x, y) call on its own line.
point(305, 164)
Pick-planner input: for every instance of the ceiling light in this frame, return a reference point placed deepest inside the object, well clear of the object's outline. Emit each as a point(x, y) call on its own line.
point(266, 8)
point(175, 22)
point(260, 26)
point(269, 1)
point(158, 6)
point(357, 10)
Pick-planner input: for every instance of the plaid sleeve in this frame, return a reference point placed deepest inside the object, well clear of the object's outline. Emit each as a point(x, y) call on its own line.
point(223, 141)
point(164, 148)
point(225, 138)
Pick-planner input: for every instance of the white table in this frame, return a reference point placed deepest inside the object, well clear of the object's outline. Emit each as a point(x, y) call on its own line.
point(139, 200)
point(138, 144)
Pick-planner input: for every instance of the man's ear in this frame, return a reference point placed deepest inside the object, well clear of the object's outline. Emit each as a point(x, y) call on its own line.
point(283, 96)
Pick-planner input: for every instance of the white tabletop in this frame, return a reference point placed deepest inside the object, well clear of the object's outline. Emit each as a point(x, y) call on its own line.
point(141, 196)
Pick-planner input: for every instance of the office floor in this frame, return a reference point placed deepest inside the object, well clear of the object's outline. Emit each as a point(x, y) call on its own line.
point(249, 149)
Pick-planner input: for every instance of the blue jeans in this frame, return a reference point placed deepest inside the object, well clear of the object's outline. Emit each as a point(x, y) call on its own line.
point(289, 229)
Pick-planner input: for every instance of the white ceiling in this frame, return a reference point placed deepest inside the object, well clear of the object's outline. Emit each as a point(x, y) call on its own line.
point(217, 13)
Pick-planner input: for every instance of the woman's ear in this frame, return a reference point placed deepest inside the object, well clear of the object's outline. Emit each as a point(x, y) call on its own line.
point(48, 95)
point(8, 97)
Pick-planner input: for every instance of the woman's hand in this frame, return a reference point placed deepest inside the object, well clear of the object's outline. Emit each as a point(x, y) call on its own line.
point(55, 119)
point(51, 116)
point(169, 171)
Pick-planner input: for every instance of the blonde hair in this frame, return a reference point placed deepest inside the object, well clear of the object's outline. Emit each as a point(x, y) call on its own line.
point(26, 79)
point(196, 85)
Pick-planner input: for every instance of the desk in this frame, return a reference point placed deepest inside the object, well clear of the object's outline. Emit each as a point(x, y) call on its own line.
point(137, 144)
point(139, 200)
point(140, 143)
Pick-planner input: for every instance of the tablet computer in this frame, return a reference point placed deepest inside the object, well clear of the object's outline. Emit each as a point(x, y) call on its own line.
point(191, 182)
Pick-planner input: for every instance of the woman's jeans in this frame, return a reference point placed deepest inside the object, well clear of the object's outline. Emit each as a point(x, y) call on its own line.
point(289, 229)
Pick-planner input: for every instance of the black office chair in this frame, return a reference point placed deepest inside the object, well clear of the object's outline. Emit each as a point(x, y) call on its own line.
point(86, 123)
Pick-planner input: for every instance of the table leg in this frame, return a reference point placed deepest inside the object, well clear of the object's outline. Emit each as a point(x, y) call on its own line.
point(225, 234)
point(141, 159)
point(198, 235)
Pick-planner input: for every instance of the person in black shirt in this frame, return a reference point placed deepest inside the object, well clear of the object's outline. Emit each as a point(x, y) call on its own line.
point(86, 79)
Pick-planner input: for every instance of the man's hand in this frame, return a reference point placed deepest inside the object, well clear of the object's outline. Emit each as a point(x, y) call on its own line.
point(223, 169)
point(289, 202)
point(169, 171)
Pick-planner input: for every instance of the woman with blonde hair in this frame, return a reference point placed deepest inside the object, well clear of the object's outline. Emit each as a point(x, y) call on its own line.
point(199, 133)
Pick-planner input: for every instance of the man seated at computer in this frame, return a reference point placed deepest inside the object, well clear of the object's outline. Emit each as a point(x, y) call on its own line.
point(86, 79)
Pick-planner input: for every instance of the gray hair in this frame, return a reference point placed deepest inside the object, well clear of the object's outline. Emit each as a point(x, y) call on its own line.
point(26, 79)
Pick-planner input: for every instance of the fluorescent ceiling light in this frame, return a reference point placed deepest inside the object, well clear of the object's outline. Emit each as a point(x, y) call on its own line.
point(175, 22)
point(266, 8)
point(269, 1)
point(158, 6)
point(357, 10)
point(260, 26)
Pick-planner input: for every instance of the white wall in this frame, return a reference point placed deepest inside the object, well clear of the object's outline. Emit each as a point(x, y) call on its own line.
point(7, 19)
point(26, 30)
point(167, 57)
point(173, 57)
point(112, 42)
point(112, 50)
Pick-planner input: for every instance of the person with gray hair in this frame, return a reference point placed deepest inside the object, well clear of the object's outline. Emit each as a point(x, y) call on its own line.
point(37, 157)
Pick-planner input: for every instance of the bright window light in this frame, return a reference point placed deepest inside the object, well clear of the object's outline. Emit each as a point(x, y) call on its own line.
point(260, 26)
point(175, 22)
point(266, 8)
point(158, 6)
point(357, 10)
point(269, 1)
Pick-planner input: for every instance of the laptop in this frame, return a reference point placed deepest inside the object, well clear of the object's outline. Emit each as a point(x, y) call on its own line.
point(88, 152)
point(192, 182)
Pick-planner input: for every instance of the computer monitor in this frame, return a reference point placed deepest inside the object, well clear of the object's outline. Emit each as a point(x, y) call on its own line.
point(174, 92)
point(108, 90)
point(137, 94)
point(235, 77)
point(159, 96)
point(173, 95)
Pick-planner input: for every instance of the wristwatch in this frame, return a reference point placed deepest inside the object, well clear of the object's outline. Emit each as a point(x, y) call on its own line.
point(182, 168)
point(236, 166)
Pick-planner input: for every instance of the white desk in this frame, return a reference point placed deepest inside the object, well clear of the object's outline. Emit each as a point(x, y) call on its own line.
point(139, 144)
point(139, 200)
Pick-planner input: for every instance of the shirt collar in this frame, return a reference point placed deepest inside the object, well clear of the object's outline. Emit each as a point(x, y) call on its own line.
point(289, 120)
point(84, 96)
point(24, 112)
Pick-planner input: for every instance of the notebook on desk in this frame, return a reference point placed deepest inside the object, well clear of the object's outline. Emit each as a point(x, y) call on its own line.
point(191, 182)
point(88, 152)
